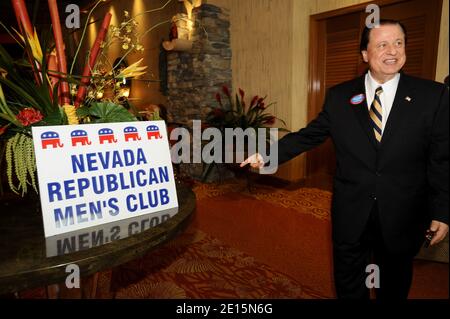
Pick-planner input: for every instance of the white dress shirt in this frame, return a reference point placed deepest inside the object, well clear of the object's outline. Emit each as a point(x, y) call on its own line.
point(386, 98)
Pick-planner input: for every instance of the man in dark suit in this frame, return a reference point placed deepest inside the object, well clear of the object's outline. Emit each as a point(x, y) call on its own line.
point(391, 136)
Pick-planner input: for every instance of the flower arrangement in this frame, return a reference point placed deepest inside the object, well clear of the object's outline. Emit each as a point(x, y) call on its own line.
point(42, 91)
point(236, 113)
point(233, 113)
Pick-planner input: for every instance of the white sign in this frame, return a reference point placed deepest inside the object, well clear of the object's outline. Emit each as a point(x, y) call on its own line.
point(96, 236)
point(93, 174)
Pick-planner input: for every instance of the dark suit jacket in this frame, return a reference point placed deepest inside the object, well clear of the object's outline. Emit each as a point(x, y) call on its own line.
point(407, 173)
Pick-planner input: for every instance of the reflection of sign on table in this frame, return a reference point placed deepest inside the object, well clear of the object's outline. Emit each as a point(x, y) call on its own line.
point(99, 173)
point(103, 234)
point(23, 260)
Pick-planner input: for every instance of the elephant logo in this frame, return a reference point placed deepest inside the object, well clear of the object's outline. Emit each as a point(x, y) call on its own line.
point(153, 131)
point(79, 136)
point(50, 139)
point(131, 133)
point(106, 135)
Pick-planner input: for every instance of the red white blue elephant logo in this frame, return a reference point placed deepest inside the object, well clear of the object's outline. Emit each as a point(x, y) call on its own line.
point(153, 132)
point(106, 135)
point(80, 137)
point(131, 133)
point(50, 139)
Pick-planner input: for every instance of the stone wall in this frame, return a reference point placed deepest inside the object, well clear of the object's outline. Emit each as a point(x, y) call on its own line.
point(195, 76)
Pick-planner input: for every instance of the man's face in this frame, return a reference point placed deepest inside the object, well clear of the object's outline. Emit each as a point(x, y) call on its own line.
point(385, 52)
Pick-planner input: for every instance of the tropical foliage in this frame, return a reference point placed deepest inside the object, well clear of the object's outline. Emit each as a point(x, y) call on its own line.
point(38, 90)
point(235, 112)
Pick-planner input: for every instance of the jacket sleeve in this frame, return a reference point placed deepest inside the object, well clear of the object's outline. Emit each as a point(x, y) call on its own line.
point(314, 134)
point(438, 164)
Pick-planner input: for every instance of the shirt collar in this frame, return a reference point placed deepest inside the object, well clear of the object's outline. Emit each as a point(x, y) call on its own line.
point(389, 85)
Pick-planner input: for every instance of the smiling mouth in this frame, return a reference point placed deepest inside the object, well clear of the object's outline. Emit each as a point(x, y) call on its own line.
point(390, 61)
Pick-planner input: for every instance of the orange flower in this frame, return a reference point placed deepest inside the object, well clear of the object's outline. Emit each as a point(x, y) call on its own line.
point(29, 116)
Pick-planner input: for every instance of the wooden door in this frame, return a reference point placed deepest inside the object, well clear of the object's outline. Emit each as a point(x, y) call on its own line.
point(335, 56)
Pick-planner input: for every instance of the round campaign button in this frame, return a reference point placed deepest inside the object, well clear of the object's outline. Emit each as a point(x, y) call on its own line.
point(357, 99)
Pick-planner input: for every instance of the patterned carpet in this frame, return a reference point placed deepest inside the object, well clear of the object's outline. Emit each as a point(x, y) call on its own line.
point(311, 201)
point(199, 266)
point(258, 243)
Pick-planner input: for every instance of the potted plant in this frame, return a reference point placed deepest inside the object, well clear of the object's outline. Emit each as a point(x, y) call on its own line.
point(236, 112)
point(43, 90)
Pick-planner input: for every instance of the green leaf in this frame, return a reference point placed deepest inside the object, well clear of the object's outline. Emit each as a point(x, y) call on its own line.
point(3, 105)
point(19, 91)
point(83, 111)
point(238, 105)
point(6, 61)
point(6, 117)
point(43, 96)
point(55, 96)
point(108, 112)
point(53, 118)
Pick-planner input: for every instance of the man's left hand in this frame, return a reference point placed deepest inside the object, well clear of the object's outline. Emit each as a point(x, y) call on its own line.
point(441, 230)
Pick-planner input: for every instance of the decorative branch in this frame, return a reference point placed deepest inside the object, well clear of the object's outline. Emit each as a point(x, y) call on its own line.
point(20, 9)
point(60, 50)
point(83, 35)
point(92, 59)
point(154, 27)
point(152, 10)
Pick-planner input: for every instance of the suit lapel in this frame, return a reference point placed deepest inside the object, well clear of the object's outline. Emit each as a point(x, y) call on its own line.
point(398, 111)
point(362, 112)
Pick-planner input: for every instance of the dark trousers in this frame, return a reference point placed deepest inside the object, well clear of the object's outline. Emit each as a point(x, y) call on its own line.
point(351, 260)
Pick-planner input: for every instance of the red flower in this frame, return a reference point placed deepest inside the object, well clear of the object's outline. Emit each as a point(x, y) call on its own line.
point(255, 98)
point(29, 116)
point(218, 98)
point(261, 106)
point(270, 120)
point(218, 113)
point(3, 129)
point(225, 90)
point(241, 93)
point(204, 126)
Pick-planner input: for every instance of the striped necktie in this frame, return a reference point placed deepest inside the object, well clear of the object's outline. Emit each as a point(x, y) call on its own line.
point(376, 114)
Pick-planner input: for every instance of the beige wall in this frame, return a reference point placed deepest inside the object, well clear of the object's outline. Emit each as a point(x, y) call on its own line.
point(442, 62)
point(145, 93)
point(224, 4)
point(270, 47)
point(262, 49)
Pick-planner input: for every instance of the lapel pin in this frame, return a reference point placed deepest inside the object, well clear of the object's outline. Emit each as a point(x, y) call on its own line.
point(408, 99)
point(357, 99)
